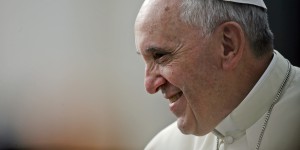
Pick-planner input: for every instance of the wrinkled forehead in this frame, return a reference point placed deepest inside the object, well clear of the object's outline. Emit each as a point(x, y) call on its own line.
point(157, 12)
point(158, 24)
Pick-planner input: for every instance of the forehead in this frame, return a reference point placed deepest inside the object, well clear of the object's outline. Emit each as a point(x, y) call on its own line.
point(158, 23)
point(157, 13)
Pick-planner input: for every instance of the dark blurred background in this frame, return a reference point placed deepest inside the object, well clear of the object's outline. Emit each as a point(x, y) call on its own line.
point(284, 22)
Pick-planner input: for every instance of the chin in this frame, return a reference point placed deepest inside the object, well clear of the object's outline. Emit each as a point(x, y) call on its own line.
point(185, 127)
point(190, 129)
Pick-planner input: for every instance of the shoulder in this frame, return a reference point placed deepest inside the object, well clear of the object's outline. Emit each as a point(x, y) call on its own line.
point(172, 138)
point(285, 118)
point(296, 78)
point(291, 95)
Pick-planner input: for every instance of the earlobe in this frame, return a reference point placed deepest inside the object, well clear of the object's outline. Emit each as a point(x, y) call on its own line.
point(233, 44)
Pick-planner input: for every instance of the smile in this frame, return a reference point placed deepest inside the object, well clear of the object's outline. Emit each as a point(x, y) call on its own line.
point(175, 97)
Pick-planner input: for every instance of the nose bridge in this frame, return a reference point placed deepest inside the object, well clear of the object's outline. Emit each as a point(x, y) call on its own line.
point(153, 78)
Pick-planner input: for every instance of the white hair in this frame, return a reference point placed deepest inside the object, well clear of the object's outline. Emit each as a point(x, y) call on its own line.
point(208, 14)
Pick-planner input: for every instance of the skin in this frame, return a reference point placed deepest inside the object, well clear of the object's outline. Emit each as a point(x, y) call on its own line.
point(205, 78)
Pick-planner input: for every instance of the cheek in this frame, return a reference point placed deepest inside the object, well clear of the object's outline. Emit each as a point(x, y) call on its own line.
point(199, 82)
point(171, 72)
point(176, 75)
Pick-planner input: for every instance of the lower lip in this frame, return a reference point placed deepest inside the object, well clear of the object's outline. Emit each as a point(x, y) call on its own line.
point(176, 106)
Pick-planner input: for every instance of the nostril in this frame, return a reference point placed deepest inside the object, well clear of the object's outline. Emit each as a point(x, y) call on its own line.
point(153, 84)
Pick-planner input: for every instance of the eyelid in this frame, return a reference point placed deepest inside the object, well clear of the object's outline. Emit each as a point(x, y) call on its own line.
point(156, 51)
point(157, 55)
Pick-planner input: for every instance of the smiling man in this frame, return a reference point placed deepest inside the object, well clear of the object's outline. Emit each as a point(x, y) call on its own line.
point(214, 61)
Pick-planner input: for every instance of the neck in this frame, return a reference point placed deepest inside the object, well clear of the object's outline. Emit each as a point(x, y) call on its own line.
point(244, 78)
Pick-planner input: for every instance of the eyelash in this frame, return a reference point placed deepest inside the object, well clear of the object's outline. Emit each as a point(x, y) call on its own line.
point(159, 57)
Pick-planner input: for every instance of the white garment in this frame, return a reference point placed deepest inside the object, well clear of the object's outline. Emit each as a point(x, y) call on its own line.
point(241, 128)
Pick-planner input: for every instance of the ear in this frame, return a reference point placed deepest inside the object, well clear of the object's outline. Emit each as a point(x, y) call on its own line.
point(233, 44)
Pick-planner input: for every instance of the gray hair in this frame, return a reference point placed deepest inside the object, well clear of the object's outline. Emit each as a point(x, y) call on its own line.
point(208, 14)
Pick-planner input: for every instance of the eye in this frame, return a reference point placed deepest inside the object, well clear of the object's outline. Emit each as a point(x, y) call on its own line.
point(161, 57)
point(158, 55)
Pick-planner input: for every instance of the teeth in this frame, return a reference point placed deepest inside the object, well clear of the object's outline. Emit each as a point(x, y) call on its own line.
point(175, 97)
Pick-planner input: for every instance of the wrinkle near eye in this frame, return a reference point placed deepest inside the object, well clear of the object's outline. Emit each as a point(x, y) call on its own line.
point(157, 54)
point(163, 56)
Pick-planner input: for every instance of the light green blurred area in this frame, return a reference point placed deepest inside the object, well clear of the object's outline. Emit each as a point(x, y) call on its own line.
point(70, 76)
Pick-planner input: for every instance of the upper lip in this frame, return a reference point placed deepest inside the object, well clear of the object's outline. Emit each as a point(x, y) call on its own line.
point(173, 97)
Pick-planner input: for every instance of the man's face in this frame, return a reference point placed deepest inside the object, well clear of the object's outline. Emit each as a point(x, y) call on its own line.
point(182, 64)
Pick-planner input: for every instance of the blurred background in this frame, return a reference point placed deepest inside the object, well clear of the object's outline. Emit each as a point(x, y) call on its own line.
point(70, 77)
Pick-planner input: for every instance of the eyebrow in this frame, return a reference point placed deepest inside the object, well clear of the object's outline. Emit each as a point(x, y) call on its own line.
point(152, 50)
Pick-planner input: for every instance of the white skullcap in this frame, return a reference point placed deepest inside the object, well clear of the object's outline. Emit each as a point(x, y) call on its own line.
point(259, 3)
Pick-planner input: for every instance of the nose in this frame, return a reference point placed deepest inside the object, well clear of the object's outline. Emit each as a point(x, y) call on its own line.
point(153, 80)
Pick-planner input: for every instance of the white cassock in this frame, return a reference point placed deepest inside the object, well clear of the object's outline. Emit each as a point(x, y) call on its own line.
point(241, 129)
